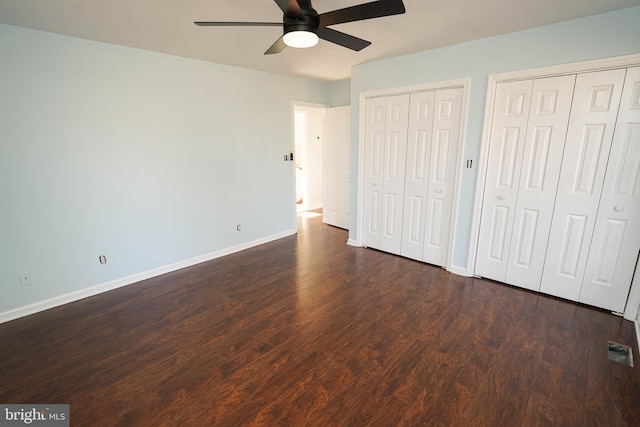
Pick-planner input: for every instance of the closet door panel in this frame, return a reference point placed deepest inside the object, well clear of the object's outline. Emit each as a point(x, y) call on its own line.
point(417, 174)
point(444, 147)
point(374, 166)
point(395, 156)
point(591, 126)
point(616, 238)
point(543, 149)
point(508, 132)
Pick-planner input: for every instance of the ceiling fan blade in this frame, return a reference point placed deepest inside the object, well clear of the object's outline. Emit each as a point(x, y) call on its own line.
point(290, 8)
point(238, 24)
point(277, 47)
point(374, 9)
point(342, 39)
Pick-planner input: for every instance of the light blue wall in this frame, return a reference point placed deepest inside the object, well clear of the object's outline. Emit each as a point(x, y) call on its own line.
point(146, 158)
point(340, 93)
point(595, 37)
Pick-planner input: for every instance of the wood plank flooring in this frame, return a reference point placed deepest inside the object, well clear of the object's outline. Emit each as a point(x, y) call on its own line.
point(307, 331)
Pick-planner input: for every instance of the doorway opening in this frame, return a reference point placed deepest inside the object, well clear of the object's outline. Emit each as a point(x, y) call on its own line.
point(308, 158)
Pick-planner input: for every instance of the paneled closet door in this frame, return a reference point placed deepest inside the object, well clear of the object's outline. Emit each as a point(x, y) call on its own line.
point(543, 148)
point(374, 164)
point(441, 172)
point(591, 125)
point(385, 160)
point(417, 175)
point(506, 147)
point(616, 237)
point(395, 159)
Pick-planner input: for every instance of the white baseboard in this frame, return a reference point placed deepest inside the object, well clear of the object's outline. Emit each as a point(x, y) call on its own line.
point(125, 281)
point(352, 242)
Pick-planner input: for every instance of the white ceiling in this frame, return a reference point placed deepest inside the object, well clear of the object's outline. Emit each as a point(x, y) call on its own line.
point(167, 26)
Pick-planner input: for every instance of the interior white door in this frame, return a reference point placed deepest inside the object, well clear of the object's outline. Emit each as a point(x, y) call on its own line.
point(616, 238)
point(442, 169)
point(542, 159)
point(395, 157)
point(385, 166)
point(375, 125)
point(420, 132)
point(506, 147)
point(336, 150)
point(589, 137)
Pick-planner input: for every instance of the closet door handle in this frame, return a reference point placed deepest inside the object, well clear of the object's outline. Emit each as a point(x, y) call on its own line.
point(618, 208)
point(438, 191)
point(500, 197)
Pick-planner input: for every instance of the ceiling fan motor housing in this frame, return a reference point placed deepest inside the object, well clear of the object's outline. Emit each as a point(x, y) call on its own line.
point(310, 23)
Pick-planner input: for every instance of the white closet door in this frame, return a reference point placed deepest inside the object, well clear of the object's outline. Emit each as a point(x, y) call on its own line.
point(395, 157)
point(417, 175)
point(336, 154)
point(385, 158)
point(508, 131)
point(374, 164)
point(543, 148)
point(441, 172)
point(593, 117)
point(616, 238)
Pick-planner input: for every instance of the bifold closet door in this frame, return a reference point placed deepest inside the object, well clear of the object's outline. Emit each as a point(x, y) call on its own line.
point(542, 160)
point(444, 147)
point(434, 131)
point(525, 154)
point(421, 112)
point(385, 164)
point(616, 238)
point(589, 138)
point(506, 146)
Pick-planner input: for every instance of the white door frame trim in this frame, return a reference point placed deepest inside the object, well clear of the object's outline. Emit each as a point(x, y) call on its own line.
point(552, 71)
point(464, 84)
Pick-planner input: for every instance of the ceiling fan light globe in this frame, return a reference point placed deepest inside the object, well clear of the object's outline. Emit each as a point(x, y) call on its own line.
point(300, 39)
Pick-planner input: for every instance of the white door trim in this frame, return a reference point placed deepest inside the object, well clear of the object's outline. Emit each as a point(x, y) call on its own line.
point(449, 84)
point(556, 70)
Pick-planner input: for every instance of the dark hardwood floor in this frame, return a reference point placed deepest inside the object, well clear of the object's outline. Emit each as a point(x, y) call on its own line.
point(307, 331)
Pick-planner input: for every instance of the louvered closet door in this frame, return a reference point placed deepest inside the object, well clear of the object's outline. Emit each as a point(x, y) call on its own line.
point(589, 137)
point(444, 146)
point(542, 159)
point(508, 131)
point(616, 238)
point(385, 158)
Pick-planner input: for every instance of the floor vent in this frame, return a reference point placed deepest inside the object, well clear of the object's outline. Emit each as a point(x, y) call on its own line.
point(620, 353)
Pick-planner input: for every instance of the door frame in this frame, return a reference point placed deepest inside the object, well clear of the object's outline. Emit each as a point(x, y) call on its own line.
point(463, 84)
point(533, 73)
point(307, 106)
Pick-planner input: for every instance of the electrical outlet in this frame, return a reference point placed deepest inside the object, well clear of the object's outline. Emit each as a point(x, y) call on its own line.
point(25, 279)
point(238, 227)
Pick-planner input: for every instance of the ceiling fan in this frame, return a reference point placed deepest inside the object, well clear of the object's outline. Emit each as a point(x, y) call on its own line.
point(302, 25)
